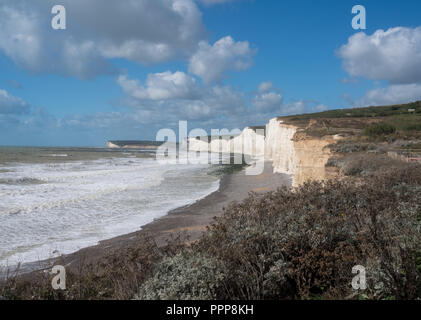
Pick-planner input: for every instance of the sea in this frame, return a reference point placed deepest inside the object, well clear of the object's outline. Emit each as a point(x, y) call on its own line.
point(55, 201)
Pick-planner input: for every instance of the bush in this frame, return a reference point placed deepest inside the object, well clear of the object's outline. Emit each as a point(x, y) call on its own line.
point(116, 276)
point(367, 164)
point(379, 129)
point(413, 127)
point(345, 146)
point(185, 277)
point(303, 244)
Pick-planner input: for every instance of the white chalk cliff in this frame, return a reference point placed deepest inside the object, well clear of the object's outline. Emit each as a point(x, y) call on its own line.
point(289, 149)
point(248, 142)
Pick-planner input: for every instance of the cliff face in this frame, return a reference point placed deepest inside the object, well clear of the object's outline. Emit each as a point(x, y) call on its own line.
point(112, 145)
point(288, 147)
point(248, 142)
point(293, 152)
point(279, 146)
point(312, 155)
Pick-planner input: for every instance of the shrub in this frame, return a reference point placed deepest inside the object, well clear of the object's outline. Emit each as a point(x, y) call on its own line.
point(185, 276)
point(413, 127)
point(352, 168)
point(367, 164)
point(303, 244)
point(334, 162)
point(379, 129)
point(345, 146)
point(116, 276)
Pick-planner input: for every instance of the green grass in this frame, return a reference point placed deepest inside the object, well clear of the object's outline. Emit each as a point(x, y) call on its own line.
point(384, 111)
point(378, 129)
point(406, 124)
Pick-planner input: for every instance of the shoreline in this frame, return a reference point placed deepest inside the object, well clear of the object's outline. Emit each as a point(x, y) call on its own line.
point(190, 220)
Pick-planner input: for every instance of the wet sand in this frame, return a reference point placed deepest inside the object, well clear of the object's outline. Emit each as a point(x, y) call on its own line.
point(188, 220)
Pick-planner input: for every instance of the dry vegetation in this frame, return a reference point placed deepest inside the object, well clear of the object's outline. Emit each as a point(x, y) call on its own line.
point(280, 245)
point(303, 245)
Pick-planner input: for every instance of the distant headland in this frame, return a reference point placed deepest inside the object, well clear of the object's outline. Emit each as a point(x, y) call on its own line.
point(133, 144)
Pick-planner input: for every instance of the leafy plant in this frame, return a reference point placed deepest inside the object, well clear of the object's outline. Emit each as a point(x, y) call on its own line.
point(379, 129)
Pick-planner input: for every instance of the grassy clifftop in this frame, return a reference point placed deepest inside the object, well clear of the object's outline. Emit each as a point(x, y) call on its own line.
point(366, 112)
point(404, 118)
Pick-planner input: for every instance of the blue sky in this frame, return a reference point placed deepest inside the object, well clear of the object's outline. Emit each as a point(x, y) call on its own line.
point(124, 71)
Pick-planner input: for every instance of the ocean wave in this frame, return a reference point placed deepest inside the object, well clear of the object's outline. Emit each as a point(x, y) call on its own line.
point(68, 206)
point(21, 181)
point(56, 155)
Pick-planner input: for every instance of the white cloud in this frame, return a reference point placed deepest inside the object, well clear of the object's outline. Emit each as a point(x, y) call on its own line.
point(394, 94)
point(161, 86)
point(173, 96)
point(297, 107)
point(268, 102)
point(393, 55)
point(210, 62)
point(265, 87)
point(12, 105)
point(143, 31)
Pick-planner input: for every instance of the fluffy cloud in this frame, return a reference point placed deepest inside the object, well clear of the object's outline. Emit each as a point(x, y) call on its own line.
point(267, 98)
point(297, 107)
point(210, 62)
point(161, 86)
point(144, 31)
point(393, 55)
point(265, 87)
point(10, 105)
point(173, 96)
point(267, 102)
point(394, 94)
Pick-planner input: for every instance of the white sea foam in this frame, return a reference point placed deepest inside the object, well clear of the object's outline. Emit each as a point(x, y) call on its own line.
point(76, 204)
point(57, 155)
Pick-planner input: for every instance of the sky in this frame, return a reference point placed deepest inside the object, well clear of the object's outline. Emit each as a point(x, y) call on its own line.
point(123, 70)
